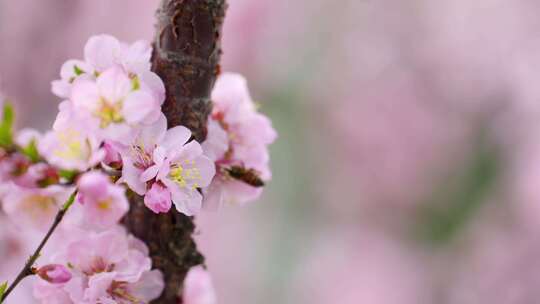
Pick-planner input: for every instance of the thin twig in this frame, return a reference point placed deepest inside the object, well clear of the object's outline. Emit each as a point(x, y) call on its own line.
point(27, 269)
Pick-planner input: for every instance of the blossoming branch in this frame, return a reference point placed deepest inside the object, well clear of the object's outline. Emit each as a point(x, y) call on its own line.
point(110, 139)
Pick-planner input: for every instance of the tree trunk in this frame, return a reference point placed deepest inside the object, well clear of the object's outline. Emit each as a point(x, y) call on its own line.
point(186, 56)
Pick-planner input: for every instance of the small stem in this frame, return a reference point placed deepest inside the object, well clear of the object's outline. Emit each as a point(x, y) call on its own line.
point(27, 269)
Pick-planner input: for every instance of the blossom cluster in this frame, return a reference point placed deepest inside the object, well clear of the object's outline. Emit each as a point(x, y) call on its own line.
point(109, 137)
point(238, 139)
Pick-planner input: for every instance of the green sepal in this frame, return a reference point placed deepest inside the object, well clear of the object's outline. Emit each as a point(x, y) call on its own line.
point(3, 288)
point(31, 151)
point(78, 71)
point(6, 126)
point(68, 174)
point(135, 83)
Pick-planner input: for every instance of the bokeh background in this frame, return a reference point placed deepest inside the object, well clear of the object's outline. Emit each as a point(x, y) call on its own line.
point(407, 169)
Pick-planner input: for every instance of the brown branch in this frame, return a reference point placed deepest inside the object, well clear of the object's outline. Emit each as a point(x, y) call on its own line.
point(186, 56)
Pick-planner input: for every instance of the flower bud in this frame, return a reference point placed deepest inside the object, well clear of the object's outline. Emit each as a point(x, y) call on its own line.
point(54, 273)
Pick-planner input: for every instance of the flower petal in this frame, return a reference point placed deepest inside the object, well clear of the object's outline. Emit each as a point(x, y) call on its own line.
point(101, 51)
point(130, 175)
point(138, 105)
point(114, 85)
point(85, 95)
point(175, 138)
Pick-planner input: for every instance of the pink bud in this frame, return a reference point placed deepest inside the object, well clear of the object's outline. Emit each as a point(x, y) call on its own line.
point(158, 199)
point(54, 273)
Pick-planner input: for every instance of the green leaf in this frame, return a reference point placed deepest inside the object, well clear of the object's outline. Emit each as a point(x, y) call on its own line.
point(3, 288)
point(6, 125)
point(31, 151)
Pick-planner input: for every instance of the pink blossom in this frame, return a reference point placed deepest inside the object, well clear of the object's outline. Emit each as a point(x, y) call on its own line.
point(48, 293)
point(35, 207)
point(103, 252)
point(158, 198)
point(165, 157)
point(138, 156)
point(71, 145)
point(115, 102)
point(54, 273)
point(198, 287)
point(106, 268)
point(36, 175)
point(13, 166)
point(236, 112)
point(237, 136)
point(183, 170)
point(217, 141)
point(223, 190)
point(103, 203)
point(71, 70)
point(102, 52)
point(112, 156)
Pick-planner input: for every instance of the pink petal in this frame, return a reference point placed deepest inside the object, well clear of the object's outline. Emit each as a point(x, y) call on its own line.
point(138, 105)
point(149, 287)
point(186, 201)
point(68, 68)
point(152, 134)
point(207, 170)
point(240, 193)
point(217, 141)
point(213, 195)
point(131, 176)
point(114, 84)
point(175, 138)
point(198, 287)
point(85, 95)
point(136, 57)
point(152, 82)
point(98, 286)
point(149, 173)
point(112, 245)
point(61, 88)
point(101, 51)
point(191, 150)
point(131, 268)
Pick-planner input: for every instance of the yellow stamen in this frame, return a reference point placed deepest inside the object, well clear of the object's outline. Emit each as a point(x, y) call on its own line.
point(109, 113)
point(184, 176)
point(70, 145)
point(104, 204)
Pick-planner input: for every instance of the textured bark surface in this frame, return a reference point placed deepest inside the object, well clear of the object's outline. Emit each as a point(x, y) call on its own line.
point(186, 56)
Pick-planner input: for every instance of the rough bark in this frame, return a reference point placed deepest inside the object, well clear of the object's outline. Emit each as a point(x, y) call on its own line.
point(186, 56)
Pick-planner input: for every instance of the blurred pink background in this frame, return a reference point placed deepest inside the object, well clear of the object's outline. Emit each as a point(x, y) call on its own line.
point(408, 164)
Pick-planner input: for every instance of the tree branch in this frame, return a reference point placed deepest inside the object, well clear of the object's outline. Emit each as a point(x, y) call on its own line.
point(186, 56)
point(27, 268)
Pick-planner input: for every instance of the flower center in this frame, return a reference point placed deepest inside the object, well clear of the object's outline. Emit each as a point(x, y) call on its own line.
point(71, 146)
point(118, 291)
point(141, 159)
point(105, 204)
point(98, 265)
point(38, 204)
point(109, 113)
point(184, 176)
